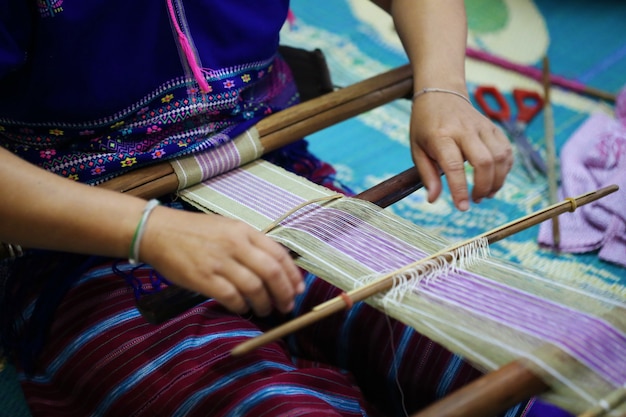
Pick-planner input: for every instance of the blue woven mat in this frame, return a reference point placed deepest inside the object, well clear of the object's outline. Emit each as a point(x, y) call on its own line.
point(12, 402)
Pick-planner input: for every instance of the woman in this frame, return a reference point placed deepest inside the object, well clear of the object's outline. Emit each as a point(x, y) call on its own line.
point(90, 90)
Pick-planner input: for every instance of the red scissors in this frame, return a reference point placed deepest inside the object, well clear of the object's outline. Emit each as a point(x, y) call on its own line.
point(528, 103)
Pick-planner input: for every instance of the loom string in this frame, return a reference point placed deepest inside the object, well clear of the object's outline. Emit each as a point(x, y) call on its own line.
point(290, 212)
point(445, 255)
point(396, 366)
point(475, 255)
point(403, 283)
point(497, 343)
point(465, 256)
point(446, 252)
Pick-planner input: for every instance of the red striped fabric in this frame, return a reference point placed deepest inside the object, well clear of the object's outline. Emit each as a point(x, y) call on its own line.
point(104, 359)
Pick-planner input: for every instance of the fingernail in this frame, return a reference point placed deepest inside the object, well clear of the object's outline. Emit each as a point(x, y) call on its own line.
point(463, 205)
point(301, 287)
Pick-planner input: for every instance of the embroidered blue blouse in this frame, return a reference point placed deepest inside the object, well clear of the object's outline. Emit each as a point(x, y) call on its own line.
point(89, 89)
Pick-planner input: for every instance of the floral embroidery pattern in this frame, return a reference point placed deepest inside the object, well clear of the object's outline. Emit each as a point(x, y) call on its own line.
point(169, 123)
point(49, 8)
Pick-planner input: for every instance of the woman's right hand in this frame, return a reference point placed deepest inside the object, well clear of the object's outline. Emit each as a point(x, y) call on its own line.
point(221, 258)
point(212, 255)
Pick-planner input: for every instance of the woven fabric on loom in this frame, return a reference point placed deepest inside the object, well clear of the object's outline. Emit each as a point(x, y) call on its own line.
point(488, 311)
point(194, 169)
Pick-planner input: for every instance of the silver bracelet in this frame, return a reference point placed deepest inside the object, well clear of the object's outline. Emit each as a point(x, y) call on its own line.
point(439, 90)
point(10, 251)
point(133, 256)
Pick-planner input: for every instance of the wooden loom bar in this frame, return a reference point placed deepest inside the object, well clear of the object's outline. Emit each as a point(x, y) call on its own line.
point(490, 394)
point(394, 189)
point(337, 98)
point(286, 126)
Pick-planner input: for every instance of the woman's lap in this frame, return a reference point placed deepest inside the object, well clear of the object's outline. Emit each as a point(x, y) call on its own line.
point(103, 358)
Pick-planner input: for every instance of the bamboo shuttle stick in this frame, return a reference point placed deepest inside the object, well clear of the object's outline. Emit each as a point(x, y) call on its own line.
point(386, 281)
point(550, 150)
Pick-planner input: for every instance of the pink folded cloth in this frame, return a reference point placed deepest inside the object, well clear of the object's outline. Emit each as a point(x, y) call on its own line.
point(594, 157)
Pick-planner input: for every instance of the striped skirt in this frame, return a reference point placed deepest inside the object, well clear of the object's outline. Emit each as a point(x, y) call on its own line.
point(103, 359)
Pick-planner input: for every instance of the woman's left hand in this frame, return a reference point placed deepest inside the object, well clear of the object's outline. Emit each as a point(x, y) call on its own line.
point(445, 132)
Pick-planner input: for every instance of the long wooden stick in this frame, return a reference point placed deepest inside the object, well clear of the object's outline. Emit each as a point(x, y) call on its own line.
point(550, 150)
point(284, 127)
point(386, 281)
point(536, 74)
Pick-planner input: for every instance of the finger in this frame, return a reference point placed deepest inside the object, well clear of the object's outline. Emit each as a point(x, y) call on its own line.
point(479, 157)
point(429, 173)
point(224, 292)
point(275, 279)
point(282, 256)
point(452, 163)
point(502, 153)
point(251, 287)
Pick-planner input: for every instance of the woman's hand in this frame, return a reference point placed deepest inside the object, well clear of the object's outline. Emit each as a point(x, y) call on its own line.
point(446, 131)
point(221, 258)
point(213, 255)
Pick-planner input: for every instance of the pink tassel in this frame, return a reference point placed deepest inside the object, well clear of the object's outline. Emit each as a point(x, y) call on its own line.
point(198, 72)
point(291, 18)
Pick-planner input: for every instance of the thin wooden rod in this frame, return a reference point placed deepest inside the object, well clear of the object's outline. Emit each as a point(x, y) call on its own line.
point(536, 74)
point(284, 127)
point(385, 282)
point(393, 189)
point(550, 150)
